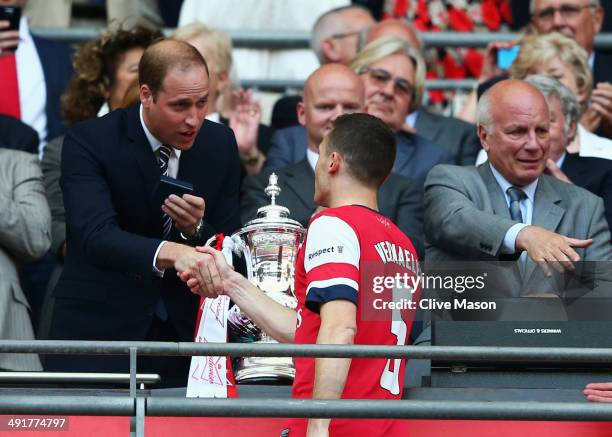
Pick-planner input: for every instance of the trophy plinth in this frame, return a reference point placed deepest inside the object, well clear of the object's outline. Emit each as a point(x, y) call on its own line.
point(269, 245)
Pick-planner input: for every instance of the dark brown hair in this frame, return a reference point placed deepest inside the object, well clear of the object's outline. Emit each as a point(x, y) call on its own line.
point(159, 57)
point(366, 144)
point(95, 68)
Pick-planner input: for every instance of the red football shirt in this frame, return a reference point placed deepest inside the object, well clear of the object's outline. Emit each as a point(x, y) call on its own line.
point(340, 245)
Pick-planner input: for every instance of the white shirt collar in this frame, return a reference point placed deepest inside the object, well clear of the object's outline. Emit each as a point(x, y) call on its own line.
point(104, 109)
point(214, 116)
point(312, 158)
point(411, 119)
point(154, 142)
point(561, 160)
point(529, 189)
point(24, 31)
point(591, 60)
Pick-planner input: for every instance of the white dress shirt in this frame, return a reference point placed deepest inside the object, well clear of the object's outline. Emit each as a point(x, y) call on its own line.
point(312, 158)
point(173, 165)
point(32, 86)
point(526, 205)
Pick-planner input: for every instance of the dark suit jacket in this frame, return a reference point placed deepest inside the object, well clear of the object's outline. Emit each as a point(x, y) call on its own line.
point(16, 135)
point(415, 154)
point(399, 199)
point(55, 58)
point(593, 174)
point(459, 137)
point(107, 289)
point(602, 68)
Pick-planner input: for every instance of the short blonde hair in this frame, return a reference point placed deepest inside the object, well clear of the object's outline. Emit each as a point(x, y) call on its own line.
point(541, 48)
point(217, 40)
point(389, 45)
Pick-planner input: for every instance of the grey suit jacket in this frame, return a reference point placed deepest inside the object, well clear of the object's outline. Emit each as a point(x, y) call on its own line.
point(467, 217)
point(25, 235)
point(51, 168)
point(458, 136)
point(399, 199)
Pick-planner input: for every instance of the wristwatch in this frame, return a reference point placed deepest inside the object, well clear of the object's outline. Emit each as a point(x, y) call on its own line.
point(197, 231)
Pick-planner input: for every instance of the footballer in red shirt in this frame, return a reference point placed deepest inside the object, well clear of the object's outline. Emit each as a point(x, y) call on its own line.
point(331, 283)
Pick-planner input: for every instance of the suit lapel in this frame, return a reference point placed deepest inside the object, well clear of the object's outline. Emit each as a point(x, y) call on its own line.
point(426, 125)
point(406, 148)
point(496, 195)
point(301, 181)
point(142, 153)
point(547, 213)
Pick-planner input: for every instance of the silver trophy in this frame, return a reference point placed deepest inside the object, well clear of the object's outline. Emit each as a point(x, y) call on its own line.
point(269, 245)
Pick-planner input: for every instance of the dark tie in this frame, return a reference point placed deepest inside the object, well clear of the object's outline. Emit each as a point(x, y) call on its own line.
point(164, 157)
point(516, 195)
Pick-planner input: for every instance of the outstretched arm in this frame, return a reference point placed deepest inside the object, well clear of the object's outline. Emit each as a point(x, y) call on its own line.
point(215, 277)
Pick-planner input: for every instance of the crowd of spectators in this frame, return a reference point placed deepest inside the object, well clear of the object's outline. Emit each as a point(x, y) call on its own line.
point(356, 63)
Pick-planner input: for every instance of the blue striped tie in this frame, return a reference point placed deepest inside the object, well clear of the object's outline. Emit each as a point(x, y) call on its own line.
point(516, 197)
point(164, 157)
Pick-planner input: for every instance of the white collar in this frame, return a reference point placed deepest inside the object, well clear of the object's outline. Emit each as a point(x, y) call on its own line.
point(529, 189)
point(24, 32)
point(214, 116)
point(312, 158)
point(154, 142)
point(561, 160)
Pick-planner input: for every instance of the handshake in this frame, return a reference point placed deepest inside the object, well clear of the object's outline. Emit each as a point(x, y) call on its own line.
point(203, 269)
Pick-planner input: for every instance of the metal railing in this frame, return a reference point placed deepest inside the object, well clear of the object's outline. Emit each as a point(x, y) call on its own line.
point(301, 40)
point(137, 406)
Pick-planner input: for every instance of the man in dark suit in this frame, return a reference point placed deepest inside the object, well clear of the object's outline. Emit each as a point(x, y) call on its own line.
point(118, 281)
point(330, 91)
point(49, 69)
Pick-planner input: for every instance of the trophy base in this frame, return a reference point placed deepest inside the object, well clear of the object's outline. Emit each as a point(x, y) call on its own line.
point(264, 370)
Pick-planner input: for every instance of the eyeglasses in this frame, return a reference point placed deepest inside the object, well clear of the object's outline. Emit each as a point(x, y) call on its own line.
point(568, 12)
point(381, 77)
point(346, 35)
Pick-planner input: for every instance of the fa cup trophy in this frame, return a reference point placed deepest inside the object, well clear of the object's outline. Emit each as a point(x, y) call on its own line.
point(269, 245)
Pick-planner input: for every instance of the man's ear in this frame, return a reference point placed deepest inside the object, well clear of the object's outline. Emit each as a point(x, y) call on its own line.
point(483, 135)
point(571, 133)
point(301, 113)
point(598, 18)
point(223, 81)
point(146, 96)
point(328, 48)
point(335, 162)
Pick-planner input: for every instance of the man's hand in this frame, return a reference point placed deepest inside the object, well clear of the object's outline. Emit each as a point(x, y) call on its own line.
point(9, 39)
point(599, 392)
point(489, 65)
point(186, 212)
point(212, 276)
point(548, 248)
point(199, 270)
point(553, 169)
point(601, 101)
point(244, 121)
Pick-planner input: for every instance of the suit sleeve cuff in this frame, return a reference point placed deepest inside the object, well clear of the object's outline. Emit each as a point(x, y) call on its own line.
point(157, 271)
point(509, 245)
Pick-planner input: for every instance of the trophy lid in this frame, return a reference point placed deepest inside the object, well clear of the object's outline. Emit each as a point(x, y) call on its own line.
point(273, 213)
